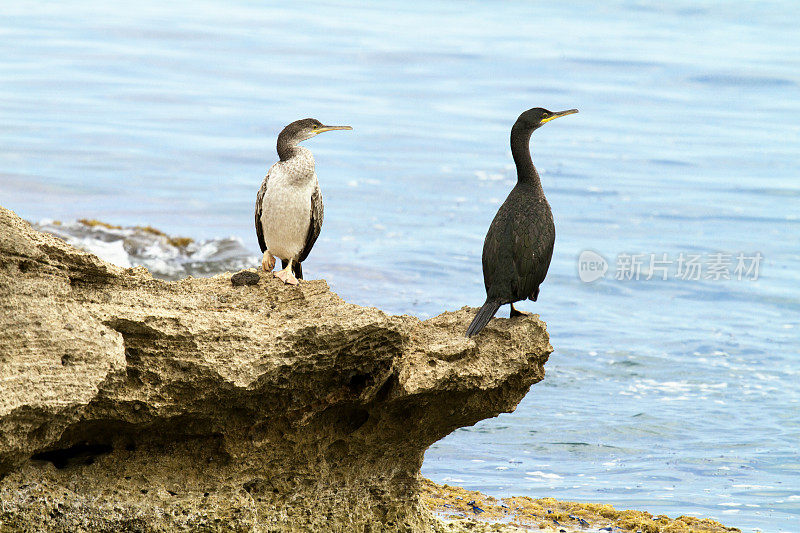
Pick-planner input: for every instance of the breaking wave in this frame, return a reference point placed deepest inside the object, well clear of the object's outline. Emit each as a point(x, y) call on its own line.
point(165, 257)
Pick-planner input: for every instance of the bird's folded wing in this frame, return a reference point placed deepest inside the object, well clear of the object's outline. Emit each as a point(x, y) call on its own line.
point(259, 207)
point(533, 251)
point(315, 225)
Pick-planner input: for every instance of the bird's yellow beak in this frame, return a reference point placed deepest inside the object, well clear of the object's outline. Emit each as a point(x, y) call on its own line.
point(331, 128)
point(559, 114)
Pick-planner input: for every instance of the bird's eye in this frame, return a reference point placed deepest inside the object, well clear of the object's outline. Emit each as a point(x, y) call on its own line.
point(314, 127)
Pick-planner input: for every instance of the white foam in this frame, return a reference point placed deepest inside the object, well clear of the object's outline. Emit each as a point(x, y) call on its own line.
point(126, 247)
point(113, 252)
point(542, 475)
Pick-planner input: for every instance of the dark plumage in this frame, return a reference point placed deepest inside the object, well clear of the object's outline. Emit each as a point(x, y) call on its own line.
point(519, 243)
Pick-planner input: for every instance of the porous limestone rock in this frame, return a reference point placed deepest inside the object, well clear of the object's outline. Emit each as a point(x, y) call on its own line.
point(133, 404)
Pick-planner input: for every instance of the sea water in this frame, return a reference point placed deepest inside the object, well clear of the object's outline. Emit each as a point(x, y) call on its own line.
point(676, 395)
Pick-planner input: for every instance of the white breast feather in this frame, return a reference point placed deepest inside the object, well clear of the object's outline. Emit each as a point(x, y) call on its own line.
point(286, 208)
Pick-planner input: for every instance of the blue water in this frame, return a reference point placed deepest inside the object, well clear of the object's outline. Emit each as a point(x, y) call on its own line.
point(677, 396)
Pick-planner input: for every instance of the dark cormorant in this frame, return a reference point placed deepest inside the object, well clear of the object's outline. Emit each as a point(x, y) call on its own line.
point(519, 243)
point(289, 203)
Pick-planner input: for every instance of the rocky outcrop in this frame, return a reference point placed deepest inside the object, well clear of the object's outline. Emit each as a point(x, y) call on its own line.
point(133, 404)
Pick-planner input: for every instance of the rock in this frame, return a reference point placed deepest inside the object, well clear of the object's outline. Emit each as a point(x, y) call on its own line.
point(245, 277)
point(548, 515)
point(133, 404)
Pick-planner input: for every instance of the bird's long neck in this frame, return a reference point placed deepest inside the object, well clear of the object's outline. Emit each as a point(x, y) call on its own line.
point(298, 168)
point(286, 145)
point(521, 150)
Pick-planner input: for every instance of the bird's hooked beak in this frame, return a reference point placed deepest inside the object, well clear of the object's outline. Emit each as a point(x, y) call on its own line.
point(331, 128)
point(559, 114)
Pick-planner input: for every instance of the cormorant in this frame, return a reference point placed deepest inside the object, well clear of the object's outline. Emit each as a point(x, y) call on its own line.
point(519, 243)
point(289, 203)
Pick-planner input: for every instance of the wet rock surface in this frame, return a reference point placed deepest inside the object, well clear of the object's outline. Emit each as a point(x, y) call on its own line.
point(134, 404)
point(477, 512)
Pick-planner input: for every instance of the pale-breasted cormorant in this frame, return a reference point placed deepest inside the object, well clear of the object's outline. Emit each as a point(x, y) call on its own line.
point(289, 204)
point(519, 243)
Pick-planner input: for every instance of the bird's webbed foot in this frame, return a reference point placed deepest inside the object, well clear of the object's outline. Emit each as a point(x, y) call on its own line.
point(268, 261)
point(515, 312)
point(287, 276)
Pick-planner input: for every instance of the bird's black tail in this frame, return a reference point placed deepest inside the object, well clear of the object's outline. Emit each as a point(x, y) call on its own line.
point(483, 317)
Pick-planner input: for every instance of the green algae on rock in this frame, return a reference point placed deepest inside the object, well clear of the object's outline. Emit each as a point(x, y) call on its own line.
point(546, 514)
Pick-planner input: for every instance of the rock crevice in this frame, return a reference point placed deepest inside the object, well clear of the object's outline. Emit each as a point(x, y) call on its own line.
point(130, 403)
